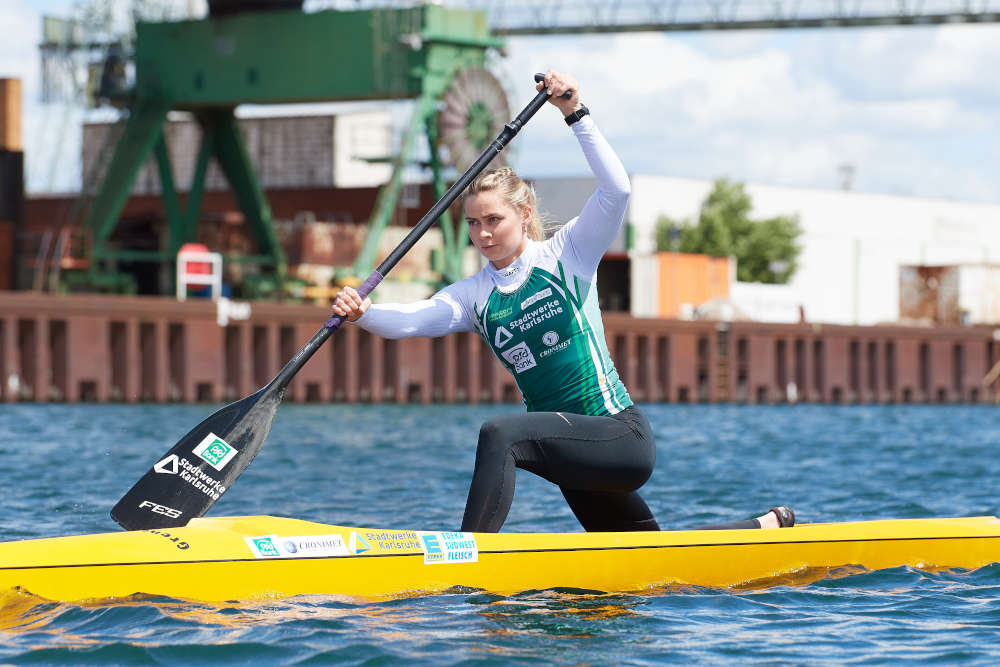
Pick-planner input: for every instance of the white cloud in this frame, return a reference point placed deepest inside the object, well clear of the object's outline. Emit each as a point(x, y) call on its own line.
point(788, 109)
point(19, 46)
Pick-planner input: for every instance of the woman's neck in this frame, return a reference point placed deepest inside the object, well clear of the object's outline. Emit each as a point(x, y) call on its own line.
point(513, 257)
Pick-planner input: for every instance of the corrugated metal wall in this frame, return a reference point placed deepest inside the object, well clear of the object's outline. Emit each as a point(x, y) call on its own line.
point(287, 152)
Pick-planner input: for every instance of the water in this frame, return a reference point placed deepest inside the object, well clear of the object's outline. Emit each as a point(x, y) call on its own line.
point(409, 467)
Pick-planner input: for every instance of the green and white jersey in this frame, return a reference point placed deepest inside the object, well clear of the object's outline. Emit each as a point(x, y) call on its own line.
point(548, 333)
point(540, 314)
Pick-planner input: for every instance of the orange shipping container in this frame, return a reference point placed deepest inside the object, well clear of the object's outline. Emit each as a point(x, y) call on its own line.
point(692, 279)
point(10, 114)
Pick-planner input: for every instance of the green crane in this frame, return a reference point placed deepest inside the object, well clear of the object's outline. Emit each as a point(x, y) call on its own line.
point(210, 66)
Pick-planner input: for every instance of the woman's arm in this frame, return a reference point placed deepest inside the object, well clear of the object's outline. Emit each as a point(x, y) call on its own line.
point(439, 315)
point(432, 317)
point(585, 239)
point(589, 235)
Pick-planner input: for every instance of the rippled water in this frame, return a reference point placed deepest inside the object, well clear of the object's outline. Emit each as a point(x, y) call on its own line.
point(409, 467)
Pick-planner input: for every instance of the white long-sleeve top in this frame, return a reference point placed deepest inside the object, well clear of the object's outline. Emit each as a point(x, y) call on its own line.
point(539, 314)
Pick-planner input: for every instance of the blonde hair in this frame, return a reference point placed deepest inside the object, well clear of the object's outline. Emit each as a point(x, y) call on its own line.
point(514, 191)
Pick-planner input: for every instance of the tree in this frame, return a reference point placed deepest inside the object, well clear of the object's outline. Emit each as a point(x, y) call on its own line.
point(766, 251)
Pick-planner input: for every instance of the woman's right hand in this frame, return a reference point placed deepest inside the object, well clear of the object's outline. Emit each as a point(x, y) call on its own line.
point(349, 304)
point(558, 84)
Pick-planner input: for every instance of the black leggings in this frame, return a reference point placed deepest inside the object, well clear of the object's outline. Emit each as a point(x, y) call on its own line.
point(597, 462)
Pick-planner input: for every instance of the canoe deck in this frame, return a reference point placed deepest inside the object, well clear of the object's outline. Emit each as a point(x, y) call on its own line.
point(243, 558)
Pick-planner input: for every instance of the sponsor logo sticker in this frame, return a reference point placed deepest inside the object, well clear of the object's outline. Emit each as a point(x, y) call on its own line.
point(215, 451)
point(297, 546)
point(264, 546)
point(393, 541)
point(520, 357)
point(357, 544)
point(443, 548)
point(304, 546)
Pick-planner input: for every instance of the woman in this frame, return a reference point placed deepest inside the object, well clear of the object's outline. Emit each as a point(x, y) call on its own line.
point(535, 305)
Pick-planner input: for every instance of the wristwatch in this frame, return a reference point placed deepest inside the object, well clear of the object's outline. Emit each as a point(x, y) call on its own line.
point(577, 115)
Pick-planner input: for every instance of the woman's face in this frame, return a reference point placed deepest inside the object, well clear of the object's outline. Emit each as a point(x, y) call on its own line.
point(496, 228)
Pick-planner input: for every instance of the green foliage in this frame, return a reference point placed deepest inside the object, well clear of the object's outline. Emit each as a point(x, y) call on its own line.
point(766, 251)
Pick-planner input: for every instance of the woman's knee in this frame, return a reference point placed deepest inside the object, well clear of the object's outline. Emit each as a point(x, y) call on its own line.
point(493, 439)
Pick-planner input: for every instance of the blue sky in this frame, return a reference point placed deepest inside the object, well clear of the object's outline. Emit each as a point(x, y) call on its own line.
point(914, 111)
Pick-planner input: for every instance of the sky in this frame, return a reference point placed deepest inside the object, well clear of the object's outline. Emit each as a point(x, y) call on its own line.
point(913, 111)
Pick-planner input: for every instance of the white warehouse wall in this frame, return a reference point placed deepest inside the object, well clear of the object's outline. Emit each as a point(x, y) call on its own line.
point(852, 243)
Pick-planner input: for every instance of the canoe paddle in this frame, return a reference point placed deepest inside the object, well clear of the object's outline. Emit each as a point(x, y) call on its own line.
point(195, 473)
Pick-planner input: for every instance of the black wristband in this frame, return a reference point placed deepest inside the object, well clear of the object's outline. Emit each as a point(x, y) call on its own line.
point(577, 115)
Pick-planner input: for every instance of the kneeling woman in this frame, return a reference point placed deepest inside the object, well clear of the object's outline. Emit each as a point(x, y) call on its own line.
point(535, 305)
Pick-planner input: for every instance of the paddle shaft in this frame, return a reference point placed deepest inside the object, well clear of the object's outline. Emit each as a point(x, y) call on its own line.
point(197, 470)
point(509, 131)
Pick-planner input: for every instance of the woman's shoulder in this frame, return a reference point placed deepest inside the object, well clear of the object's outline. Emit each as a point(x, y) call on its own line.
point(467, 288)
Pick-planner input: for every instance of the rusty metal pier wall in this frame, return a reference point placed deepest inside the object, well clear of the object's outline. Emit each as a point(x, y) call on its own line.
point(152, 349)
point(755, 362)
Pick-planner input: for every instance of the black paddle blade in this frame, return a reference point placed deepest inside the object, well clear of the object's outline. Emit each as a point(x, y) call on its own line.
point(195, 473)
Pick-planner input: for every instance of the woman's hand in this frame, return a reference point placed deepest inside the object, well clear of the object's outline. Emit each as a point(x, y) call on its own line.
point(349, 304)
point(559, 83)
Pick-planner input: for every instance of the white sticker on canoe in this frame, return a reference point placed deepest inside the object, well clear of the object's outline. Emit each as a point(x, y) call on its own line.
point(215, 451)
point(358, 544)
point(298, 546)
point(264, 546)
point(441, 548)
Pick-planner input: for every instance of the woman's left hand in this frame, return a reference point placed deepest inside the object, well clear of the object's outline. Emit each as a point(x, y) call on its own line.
point(558, 84)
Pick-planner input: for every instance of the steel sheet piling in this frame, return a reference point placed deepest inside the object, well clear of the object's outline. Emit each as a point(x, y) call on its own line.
point(151, 349)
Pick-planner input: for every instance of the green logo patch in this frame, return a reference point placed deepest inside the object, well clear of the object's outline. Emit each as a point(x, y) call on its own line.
point(265, 546)
point(215, 451)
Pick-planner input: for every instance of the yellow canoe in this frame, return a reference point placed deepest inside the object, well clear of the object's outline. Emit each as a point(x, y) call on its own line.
point(242, 558)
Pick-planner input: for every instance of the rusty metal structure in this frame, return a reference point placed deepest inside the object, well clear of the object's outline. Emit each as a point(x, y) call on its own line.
point(156, 349)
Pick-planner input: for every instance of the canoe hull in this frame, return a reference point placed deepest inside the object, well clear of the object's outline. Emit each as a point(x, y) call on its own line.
point(242, 558)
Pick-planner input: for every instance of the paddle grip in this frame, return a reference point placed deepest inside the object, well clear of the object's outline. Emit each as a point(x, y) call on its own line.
point(541, 77)
point(364, 289)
